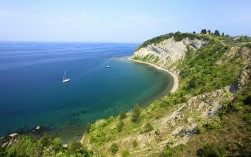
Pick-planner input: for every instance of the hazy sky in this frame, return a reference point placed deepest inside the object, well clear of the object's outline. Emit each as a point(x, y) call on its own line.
point(118, 20)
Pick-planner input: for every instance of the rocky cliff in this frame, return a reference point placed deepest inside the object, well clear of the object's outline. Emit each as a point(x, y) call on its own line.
point(168, 52)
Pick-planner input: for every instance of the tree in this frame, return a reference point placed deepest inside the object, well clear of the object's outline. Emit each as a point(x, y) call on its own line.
point(148, 127)
point(120, 126)
point(208, 31)
point(57, 143)
point(122, 115)
point(210, 149)
point(223, 34)
point(203, 31)
point(194, 32)
point(136, 113)
point(217, 33)
point(114, 148)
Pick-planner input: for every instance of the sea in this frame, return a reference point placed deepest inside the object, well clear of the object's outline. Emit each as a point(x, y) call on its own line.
point(32, 92)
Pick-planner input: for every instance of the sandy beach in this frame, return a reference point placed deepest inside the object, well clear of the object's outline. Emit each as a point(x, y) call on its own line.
point(175, 77)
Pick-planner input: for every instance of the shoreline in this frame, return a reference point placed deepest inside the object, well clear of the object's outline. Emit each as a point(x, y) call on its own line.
point(174, 76)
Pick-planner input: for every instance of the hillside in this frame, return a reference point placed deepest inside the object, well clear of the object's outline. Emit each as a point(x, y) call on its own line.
point(214, 73)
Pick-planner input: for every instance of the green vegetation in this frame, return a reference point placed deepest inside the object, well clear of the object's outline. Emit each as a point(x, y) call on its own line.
point(211, 124)
point(134, 143)
point(202, 72)
point(212, 151)
point(136, 113)
point(125, 153)
point(217, 33)
point(147, 128)
point(120, 125)
point(203, 31)
point(172, 152)
point(114, 148)
point(227, 136)
point(26, 145)
point(122, 115)
point(178, 36)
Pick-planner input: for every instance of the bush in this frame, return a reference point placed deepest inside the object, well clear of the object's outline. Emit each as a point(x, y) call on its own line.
point(174, 152)
point(213, 124)
point(134, 143)
point(125, 153)
point(122, 115)
point(200, 129)
point(136, 113)
point(57, 143)
point(247, 117)
point(120, 126)
point(98, 138)
point(247, 100)
point(236, 106)
point(211, 150)
point(148, 127)
point(114, 148)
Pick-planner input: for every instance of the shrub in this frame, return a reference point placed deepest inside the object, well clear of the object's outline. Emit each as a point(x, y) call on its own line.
point(236, 106)
point(136, 113)
point(134, 143)
point(98, 138)
point(57, 143)
point(213, 124)
point(148, 127)
point(247, 100)
point(211, 150)
point(125, 153)
point(174, 152)
point(248, 117)
point(200, 129)
point(114, 148)
point(122, 115)
point(120, 126)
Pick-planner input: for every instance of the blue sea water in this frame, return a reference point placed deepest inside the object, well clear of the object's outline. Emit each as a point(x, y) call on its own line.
point(32, 92)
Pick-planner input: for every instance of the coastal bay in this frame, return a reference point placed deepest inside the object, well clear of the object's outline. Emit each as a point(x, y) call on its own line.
point(32, 92)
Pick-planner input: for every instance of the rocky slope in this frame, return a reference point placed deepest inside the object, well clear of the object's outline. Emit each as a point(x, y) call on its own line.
point(176, 127)
point(168, 52)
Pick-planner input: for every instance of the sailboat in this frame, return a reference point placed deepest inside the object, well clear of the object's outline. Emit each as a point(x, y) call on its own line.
point(65, 79)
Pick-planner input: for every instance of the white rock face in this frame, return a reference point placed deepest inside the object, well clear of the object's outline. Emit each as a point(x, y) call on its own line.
point(169, 50)
point(13, 135)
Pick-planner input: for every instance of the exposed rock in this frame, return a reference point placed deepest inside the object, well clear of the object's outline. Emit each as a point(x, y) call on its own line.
point(13, 135)
point(65, 145)
point(168, 51)
point(245, 74)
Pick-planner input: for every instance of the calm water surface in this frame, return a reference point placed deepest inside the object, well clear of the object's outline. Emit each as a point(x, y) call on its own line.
point(32, 92)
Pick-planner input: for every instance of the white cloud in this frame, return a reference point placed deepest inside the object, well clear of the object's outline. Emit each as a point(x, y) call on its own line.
point(145, 18)
point(7, 13)
point(140, 18)
point(89, 18)
point(166, 19)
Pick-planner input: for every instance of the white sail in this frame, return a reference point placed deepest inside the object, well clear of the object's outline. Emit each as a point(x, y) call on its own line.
point(65, 79)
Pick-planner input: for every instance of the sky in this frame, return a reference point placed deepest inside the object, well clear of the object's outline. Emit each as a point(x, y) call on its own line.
point(118, 20)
